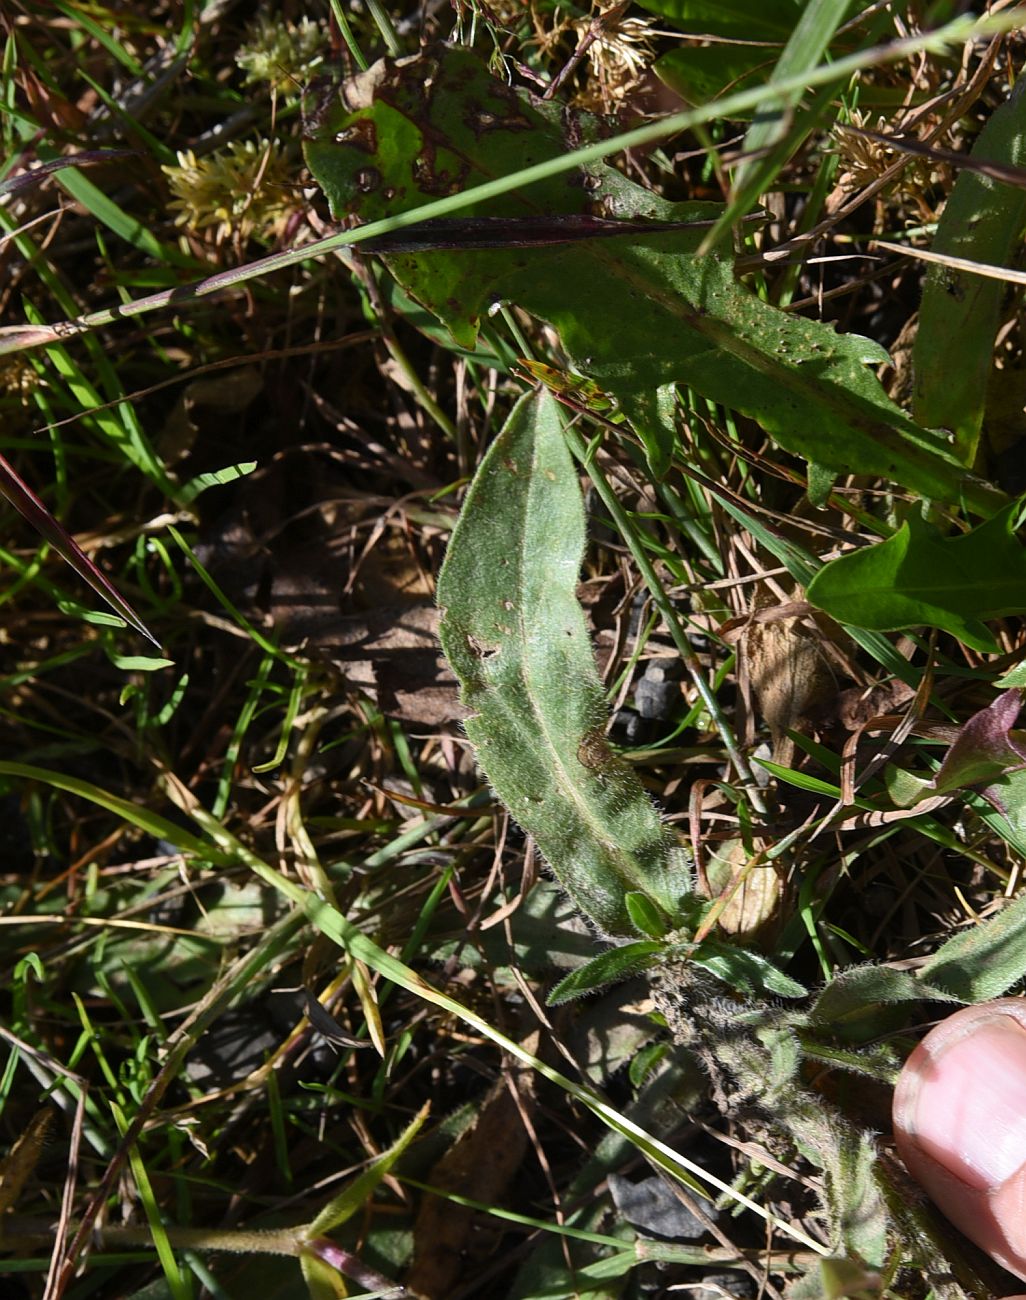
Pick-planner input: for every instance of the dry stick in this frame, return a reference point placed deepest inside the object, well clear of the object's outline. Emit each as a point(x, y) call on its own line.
point(598, 25)
point(48, 1063)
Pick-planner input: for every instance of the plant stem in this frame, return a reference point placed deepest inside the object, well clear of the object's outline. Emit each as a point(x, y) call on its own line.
point(359, 58)
point(662, 602)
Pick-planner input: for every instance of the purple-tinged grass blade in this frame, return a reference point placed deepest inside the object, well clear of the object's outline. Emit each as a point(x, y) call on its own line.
point(459, 233)
point(87, 158)
point(25, 501)
point(16, 338)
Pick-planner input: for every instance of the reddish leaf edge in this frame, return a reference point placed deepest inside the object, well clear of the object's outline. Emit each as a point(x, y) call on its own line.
point(29, 506)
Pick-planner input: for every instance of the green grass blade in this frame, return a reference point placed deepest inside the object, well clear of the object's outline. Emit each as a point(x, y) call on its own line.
point(360, 1190)
point(150, 822)
point(330, 921)
point(24, 500)
point(76, 15)
point(115, 218)
point(807, 44)
point(179, 1282)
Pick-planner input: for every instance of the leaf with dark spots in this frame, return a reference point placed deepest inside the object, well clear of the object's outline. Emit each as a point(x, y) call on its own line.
point(690, 322)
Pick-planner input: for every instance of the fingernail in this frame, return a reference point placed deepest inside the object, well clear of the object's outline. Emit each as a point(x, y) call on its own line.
point(964, 1103)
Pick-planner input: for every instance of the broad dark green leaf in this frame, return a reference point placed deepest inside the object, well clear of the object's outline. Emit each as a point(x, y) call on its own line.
point(638, 314)
point(919, 577)
point(699, 73)
point(516, 638)
point(745, 20)
point(958, 319)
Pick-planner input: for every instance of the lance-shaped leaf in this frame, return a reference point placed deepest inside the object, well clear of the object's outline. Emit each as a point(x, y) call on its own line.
point(983, 961)
point(637, 314)
point(516, 638)
point(749, 973)
point(607, 968)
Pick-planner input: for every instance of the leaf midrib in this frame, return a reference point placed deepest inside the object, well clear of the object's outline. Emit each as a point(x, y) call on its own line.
point(570, 786)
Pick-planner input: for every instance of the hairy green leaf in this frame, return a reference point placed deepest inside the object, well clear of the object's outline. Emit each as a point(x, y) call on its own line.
point(637, 314)
point(854, 996)
point(748, 972)
point(645, 918)
point(516, 638)
point(983, 961)
point(1002, 807)
point(607, 968)
point(1014, 677)
point(919, 577)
